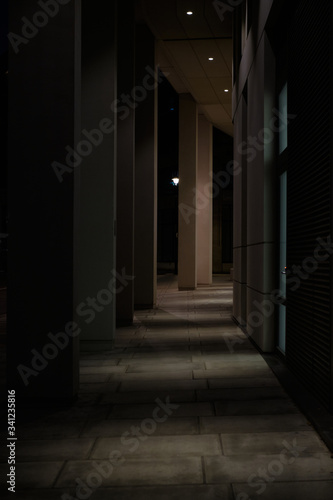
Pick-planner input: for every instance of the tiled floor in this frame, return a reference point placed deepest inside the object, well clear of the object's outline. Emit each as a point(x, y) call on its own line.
point(176, 411)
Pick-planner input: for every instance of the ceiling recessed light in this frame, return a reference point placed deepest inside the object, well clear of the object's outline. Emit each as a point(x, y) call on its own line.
point(226, 90)
point(189, 13)
point(210, 58)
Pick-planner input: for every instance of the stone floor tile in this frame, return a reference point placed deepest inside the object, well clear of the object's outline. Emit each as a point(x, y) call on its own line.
point(220, 383)
point(226, 358)
point(147, 445)
point(117, 427)
point(198, 492)
point(87, 370)
point(168, 341)
point(108, 387)
point(223, 347)
point(103, 355)
point(300, 490)
point(254, 424)
point(171, 336)
point(272, 443)
point(50, 430)
point(136, 472)
point(234, 372)
point(176, 375)
point(255, 407)
point(34, 474)
point(163, 385)
point(166, 356)
point(158, 348)
point(238, 364)
point(137, 397)
point(97, 378)
point(241, 393)
point(52, 450)
point(163, 367)
point(42, 494)
point(241, 468)
point(99, 362)
point(78, 414)
point(196, 409)
point(191, 351)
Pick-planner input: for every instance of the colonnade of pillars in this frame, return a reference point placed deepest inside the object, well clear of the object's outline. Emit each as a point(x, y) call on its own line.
point(83, 189)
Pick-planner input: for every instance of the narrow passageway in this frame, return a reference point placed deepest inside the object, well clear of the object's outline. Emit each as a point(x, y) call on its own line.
point(183, 408)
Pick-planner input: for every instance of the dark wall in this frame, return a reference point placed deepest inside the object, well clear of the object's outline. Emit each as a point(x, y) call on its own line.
point(309, 322)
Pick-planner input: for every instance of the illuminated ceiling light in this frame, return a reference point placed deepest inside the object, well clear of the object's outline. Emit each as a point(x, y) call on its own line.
point(210, 58)
point(189, 13)
point(226, 90)
point(175, 181)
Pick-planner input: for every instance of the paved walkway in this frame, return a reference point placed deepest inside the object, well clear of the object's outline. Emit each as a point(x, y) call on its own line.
point(183, 408)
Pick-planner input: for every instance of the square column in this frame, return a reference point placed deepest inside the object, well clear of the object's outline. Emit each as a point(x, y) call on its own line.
point(205, 202)
point(44, 119)
point(187, 226)
point(125, 160)
point(96, 271)
point(145, 94)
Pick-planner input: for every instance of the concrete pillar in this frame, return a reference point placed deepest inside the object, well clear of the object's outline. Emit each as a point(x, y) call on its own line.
point(187, 226)
point(125, 161)
point(44, 119)
point(96, 257)
point(205, 202)
point(145, 261)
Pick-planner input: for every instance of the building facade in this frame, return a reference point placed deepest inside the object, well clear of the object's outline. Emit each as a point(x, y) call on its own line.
point(83, 128)
point(282, 103)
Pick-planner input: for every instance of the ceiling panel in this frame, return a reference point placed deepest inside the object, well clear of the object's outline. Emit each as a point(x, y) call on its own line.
point(176, 81)
point(195, 26)
point(219, 85)
point(219, 27)
point(161, 17)
point(208, 48)
point(215, 116)
point(217, 112)
point(203, 91)
point(185, 57)
point(226, 48)
point(228, 108)
point(184, 45)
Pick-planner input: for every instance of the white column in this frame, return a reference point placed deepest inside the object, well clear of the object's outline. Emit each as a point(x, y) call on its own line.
point(188, 157)
point(204, 202)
